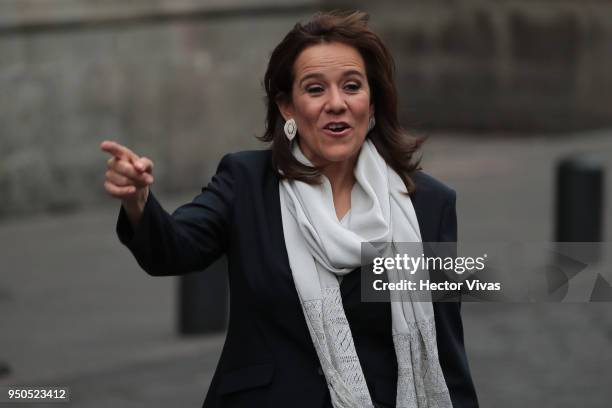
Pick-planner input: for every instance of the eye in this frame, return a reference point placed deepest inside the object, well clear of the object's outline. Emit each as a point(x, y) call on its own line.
point(352, 86)
point(313, 89)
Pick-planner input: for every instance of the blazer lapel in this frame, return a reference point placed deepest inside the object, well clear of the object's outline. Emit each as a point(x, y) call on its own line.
point(275, 222)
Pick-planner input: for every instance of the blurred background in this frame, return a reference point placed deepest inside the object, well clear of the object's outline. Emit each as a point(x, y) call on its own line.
point(504, 90)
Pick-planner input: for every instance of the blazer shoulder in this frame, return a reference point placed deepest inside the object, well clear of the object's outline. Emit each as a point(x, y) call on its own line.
point(434, 203)
point(249, 158)
point(249, 163)
point(428, 187)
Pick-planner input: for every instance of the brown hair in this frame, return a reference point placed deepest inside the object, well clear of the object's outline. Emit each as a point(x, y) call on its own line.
point(351, 28)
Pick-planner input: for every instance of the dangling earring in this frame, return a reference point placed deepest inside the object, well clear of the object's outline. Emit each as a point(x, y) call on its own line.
point(371, 123)
point(290, 129)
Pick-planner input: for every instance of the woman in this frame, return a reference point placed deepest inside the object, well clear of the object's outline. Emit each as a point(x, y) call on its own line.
point(291, 220)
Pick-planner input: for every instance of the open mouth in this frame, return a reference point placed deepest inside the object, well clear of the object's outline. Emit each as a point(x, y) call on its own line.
point(336, 127)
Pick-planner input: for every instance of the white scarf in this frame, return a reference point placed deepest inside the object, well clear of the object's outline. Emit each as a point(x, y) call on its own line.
point(321, 249)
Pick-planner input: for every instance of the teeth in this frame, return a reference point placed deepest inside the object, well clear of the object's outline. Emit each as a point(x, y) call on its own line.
point(335, 127)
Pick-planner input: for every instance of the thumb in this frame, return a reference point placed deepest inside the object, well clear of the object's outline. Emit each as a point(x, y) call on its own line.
point(143, 164)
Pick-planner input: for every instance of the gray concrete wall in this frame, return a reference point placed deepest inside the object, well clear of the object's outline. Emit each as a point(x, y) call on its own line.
point(179, 80)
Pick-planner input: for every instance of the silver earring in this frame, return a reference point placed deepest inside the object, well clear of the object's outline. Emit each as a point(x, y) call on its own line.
point(371, 123)
point(290, 129)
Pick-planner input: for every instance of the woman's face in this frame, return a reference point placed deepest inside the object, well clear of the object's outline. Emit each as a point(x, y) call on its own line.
point(330, 102)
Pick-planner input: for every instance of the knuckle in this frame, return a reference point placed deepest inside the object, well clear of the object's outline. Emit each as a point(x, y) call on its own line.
point(120, 167)
point(108, 189)
point(124, 168)
point(114, 177)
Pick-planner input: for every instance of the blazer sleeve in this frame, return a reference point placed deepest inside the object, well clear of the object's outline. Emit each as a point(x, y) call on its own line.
point(447, 230)
point(450, 328)
point(189, 239)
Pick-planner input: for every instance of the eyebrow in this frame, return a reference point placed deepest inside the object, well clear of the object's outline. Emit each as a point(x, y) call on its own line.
point(319, 75)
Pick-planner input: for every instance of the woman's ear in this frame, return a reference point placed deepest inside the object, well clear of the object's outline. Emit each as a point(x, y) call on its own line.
point(285, 108)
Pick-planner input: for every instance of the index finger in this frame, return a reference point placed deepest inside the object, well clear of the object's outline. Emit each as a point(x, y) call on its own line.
point(118, 150)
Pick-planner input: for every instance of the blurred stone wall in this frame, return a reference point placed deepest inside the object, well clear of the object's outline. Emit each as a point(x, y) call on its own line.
point(515, 65)
point(180, 80)
point(177, 81)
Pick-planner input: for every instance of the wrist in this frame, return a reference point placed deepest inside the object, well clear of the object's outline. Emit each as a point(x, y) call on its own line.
point(135, 207)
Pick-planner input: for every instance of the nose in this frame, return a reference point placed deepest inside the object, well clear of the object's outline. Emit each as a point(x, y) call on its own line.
point(335, 101)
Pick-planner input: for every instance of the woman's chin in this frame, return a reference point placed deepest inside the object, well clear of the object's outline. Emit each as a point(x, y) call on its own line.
point(340, 154)
point(337, 151)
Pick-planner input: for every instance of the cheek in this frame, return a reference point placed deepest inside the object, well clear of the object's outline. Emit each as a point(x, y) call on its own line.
point(362, 108)
point(308, 116)
point(311, 111)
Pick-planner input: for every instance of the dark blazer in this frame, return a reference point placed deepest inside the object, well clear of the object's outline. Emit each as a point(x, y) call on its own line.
point(268, 359)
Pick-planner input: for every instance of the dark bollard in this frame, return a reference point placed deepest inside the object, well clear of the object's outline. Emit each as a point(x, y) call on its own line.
point(203, 300)
point(579, 201)
point(578, 218)
point(5, 369)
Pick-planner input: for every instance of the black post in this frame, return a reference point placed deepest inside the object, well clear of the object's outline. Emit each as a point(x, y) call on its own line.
point(579, 201)
point(5, 369)
point(579, 205)
point(203, 300)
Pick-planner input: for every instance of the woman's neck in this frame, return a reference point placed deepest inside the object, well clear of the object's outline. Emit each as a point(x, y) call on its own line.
point(341, 177)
